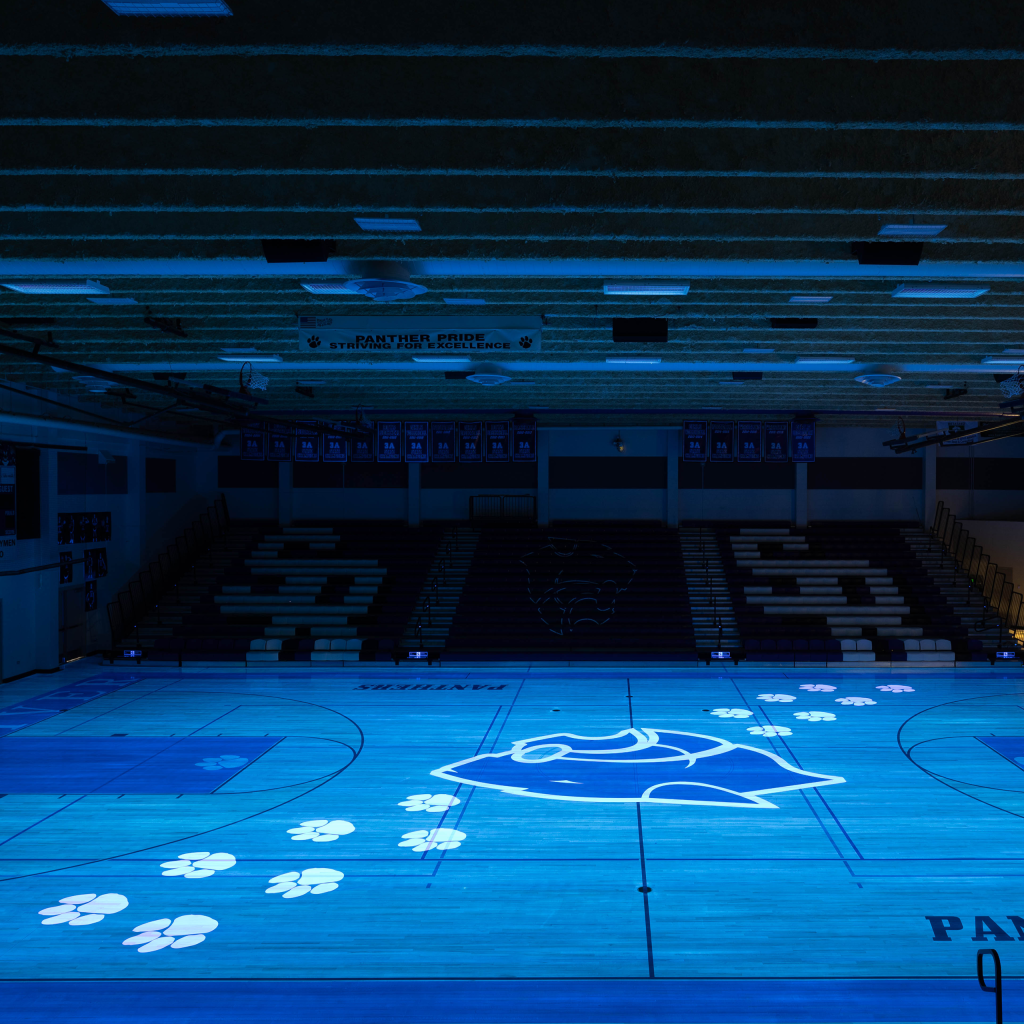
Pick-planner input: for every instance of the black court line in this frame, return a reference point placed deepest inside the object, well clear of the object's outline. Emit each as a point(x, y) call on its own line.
point(643, 857)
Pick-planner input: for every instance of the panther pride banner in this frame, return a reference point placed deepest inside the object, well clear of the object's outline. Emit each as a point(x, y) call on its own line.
point(334, 336)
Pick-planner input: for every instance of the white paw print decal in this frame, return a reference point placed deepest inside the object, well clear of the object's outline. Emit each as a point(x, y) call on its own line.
point(293, 884)
point(200, 864)
point(815, 716)
point(896, 688)
point(178, 934)
point(429, 802)
point(435, 839)
point(731, 712)
point(218, 764)
point(776, 698)
point(86, 908)
point(321, 830)
point(770, 730)
point(817, 687)
point(857, 702)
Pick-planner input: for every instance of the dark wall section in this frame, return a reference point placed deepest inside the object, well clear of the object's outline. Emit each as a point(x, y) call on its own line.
point(989, 474)
point(870, 474)
point(607, 472)
point(161, 476)
point(467, 475)
point(351, 474)
point(78, 473)
point(233, 472)
point(26, 494)
point(736, 476)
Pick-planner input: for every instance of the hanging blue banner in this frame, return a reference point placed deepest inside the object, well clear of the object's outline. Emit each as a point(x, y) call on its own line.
point(695, 441)
point(279, 444)
point(307, 441)
point(416, 442)
point(524, 441)
point(469, 443)
point(748, 441)
point(362, 448)
point(721, 442)
point(497, 442)
point(803, 442)
point(252, 446)
point(776, 442)
point(442, 441)
point(389, 441)
point(335, 448)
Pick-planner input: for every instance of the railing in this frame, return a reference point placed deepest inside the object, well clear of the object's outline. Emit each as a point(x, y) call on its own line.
point(143, 593)
point(1000, 605)
point(503, 506)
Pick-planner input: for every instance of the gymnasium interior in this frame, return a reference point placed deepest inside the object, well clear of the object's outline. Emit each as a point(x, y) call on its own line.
point(461, 394)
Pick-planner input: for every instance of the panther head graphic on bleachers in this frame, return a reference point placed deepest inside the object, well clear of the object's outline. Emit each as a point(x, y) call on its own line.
point(575, 581)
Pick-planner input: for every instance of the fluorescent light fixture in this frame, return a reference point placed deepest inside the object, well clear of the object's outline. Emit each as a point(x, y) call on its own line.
point(1008, 360)
point(465, 302)
point(440, 359)
point(759, 351)
point(646, 287)
point(808, 300)
point(114, 302)
point(1013, 351)
point(167, 9)
point(237, 351)
point(642, 360)
point(249, 359)
point(57, 287)
point(388, 223)
point(732, 382)
point(912, 230)
point(327, 287)
point(937, 291)
point(311, 383)
point(824, 359)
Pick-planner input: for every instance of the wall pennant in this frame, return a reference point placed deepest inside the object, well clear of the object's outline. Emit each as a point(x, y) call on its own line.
point(469, 442)
point(442, 441)
point(722, 441)
point(748, 441)
point(307, 441)
point(252, 442)
point(389, 441)
point(416, 441)
point(497, 442)
point(803, 441)
point(695, 441)
point(776, 442)
point(524, 441)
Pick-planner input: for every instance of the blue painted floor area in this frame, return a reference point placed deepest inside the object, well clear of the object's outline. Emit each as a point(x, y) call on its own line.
point(817, 845)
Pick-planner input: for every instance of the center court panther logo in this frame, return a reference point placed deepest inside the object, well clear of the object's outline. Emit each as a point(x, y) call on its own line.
point(655, 766)
point(313, 341)
point(576, 581)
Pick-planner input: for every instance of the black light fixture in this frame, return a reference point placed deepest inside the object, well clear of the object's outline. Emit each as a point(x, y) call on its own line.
point(618, 444)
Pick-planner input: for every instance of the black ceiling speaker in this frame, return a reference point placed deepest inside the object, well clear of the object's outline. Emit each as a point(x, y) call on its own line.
point(640, 330)
point(888, 254)
point(747, 375)
point(793, 322)
point(297, 250)
point(456, 374)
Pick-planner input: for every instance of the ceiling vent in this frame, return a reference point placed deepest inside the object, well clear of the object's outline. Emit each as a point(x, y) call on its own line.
point(489, 375)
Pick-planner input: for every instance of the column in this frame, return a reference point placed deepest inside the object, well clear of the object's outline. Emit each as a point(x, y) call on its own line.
point(800, 495)
point(543, 494)
point(928, 476)
point(414, 493)
point(284, 494)
point(672, 478)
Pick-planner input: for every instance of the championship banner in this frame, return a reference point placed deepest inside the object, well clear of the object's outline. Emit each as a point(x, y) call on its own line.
point(334, 336)
point(362, 449)
point(803, 442)
point(748, 441)
point(307, 441)
point(695, 441)
point(279, 445)
point(416, 442)
point(497, 442)
point(335, 448)
point(721, 442)
point(389, 441)
point(251, 444)
point(524, 441)
point(776, 442)
point(442, 442)
point(469, 443)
